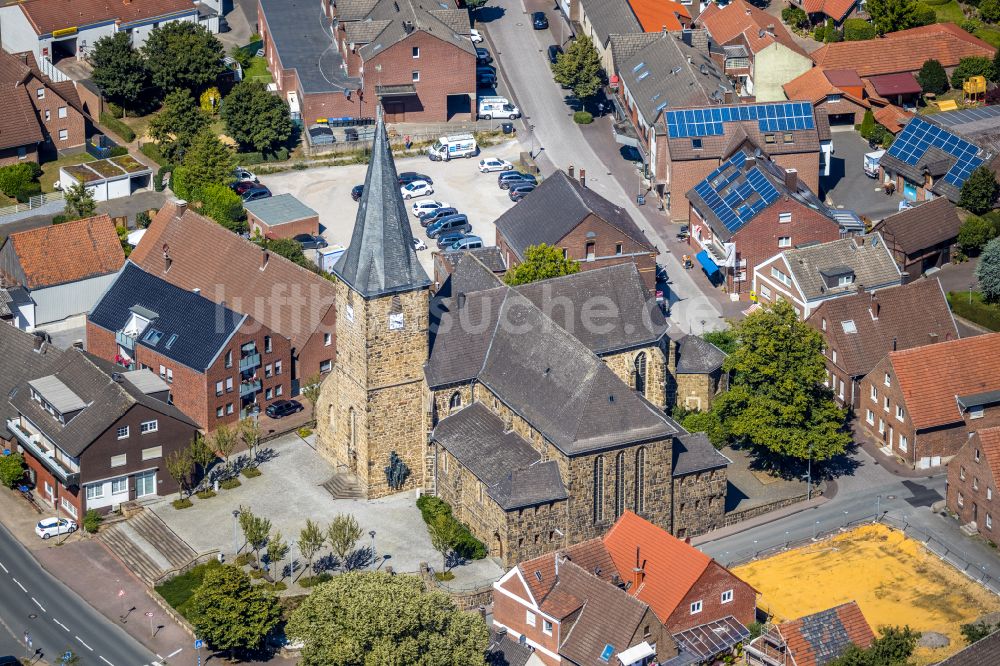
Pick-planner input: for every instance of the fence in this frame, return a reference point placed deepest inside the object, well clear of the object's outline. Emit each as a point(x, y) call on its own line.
point(34, 203)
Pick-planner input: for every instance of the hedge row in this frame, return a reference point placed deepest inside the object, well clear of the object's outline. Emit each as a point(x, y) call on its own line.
point(153, 152)
point(466, 545)
point(978, 311)
point(246, 159)
point(118, 127)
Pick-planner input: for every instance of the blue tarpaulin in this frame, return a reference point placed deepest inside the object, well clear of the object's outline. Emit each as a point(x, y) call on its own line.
point(707, 263)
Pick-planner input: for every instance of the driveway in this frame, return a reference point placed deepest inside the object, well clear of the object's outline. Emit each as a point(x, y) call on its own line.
point(847, 186)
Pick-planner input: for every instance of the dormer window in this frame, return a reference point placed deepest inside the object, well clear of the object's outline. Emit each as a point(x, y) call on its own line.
point(845, 280)
point(153, 337)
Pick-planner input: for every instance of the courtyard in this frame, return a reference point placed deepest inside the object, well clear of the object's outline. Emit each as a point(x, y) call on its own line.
point(894, 579)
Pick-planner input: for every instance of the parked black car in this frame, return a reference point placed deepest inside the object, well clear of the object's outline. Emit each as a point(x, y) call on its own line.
point(486, 79)
point(351, 134)
point(554, 52)
point(511, 179)
point(538, 21)
point(434, 216)
point(357, 191)
point(519, 190)
point(255, 194)
point(483, 56)
point(408, 177)
point(310, 242)
point(282, 408)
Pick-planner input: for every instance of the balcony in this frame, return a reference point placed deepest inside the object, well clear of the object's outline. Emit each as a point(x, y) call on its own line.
point(126, 340)
point(44, 452)
point(249, 388)
point(249, 362)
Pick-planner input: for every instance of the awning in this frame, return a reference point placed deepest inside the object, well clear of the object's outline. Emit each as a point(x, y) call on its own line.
point(707, 263)
point(707, 640)
point(402, 90)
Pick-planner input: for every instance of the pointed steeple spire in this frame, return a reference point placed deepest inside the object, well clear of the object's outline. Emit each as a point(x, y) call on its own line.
point(380, 259)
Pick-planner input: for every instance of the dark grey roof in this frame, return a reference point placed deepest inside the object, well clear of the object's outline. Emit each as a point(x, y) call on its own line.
point(695, 356)
point(978, 399)
point(503, 651)
point(609, 17)
point(624, 47)
point(694, 453)
point(868, 257)
point(304, 41)
point(56, 393)
point(921, 226)
point(201, 326)
point(279, 209)
point(555, 208)
point(400, 18)
point(980, 653)
point(19, 362)
point(511, 470)
point(979, 124)
point(470, 274)
point(380, 259)
point(669, 73)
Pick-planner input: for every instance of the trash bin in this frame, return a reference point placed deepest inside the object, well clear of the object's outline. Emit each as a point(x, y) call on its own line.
point(508, 128)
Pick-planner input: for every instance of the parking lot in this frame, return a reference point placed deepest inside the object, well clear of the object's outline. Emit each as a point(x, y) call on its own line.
point(327, 190)
point(847, 186)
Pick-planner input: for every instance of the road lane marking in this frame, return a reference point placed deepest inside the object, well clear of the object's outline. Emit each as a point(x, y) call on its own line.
point(60, 624)
point(172, 653)
point(83, 644)
point(38, 604)
point(19, 585)
point(4, 568)
point(106, 661)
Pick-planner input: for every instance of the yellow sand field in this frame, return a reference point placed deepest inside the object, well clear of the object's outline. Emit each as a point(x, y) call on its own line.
point(894, 579)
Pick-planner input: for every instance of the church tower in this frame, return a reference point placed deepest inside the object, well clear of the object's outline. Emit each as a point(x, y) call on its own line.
point(371, 404)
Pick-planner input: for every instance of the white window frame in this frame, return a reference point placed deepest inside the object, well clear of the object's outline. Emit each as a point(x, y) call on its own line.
point(899, 412)
point(976, 412)
point(40, 93)
point(784, 241)
point(121, 458)
point(904, 443)
point(326, 366)
point(118, 482)
point(529, 618)
point(415, 76)
point(67, 507)
point(989, 493)
point(887, 381)
point(123, 432)
point(874, 393)
point(726, 597)
point(64, 135)
point(220, 412)
point(546, 627)
point(62, 112)
point(327, 339)
point(147, 427)
point(277, 367)
point(696, 607)
point(95, 491)
point(869, 417)
point(989, 522)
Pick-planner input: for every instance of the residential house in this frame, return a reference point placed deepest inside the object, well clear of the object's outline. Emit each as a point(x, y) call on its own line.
point(820, 11)
point(694, 373)
point(840, 93)
point(92, 438)
point(933, 155)
point(699, 140)
point(900, 89)
point(759, 52)
point(562, 212)
point(44, 115)
point(504, 650)
point(813, 640)
point(750, 207)
point(698, 607)
point(921, 237)
point(984, 651)
point(62, 268)
point(187, 250)
point(657, 71)
point(446, 263)
point(927, 399)
point(972, 479)
point(599, 19)
point(861, 328)
point(813, 273)
point(55, 29)
point(281, 216)
point(221, 364)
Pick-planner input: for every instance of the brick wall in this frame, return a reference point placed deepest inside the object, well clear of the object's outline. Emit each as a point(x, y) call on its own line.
point(713, 582)
point(72, 123)
point(699, 502)
point(11, 156)
point(970, 480)
point(308, 225)
point(41, 476)
point(513, 614)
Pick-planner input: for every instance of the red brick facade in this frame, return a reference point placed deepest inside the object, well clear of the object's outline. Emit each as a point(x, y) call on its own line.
point(713, 583)
point(56, 116)
point(308, 225)
point(972, 487)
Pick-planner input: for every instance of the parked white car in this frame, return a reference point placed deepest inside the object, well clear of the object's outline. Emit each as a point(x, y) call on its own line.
point(50, 527)
point(418, 188)
point(421, 208)
point(244, 176)
point(419, 244)
point(494, 164)
point(475, 36)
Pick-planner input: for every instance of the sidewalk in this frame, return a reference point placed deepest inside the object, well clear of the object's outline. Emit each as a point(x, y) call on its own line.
point(745, 525)
point(889, 463)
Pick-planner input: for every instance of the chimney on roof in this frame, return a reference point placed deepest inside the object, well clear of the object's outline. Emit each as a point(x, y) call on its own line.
point(792, 180)
point(166, 258)
point(571, 170)
point(933, 337)
point(181, 206)
point(663, 30)
point(265, 257)
point(638, 573)
point(728, 97)
point(583, 177)
point(770, 29)
point(894, 343)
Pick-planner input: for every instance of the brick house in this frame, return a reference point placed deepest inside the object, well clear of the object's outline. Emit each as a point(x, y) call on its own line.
point(698, 140)
point(92, 438)
point(222, 365)
point(972, 480)
point(860, 329)
point(562, 212)
point(839, 93)
point(185, 249)
point(810, 275)
point(921, 237)
point(813, 640)
point(44, 117)
point(928, 399)
point(819, 11)
point(748, 209)
point(281, 216)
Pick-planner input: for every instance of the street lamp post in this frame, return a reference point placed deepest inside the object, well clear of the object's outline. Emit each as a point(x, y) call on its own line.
point(878, 507)
point(372, 534)
point(815, 530)
point(809, 474)
point(236, 535)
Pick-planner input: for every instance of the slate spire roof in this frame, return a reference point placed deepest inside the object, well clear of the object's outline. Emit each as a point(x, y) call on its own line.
point(380, 259)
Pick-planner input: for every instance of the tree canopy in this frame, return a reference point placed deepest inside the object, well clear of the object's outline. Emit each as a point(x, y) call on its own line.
point(177, 123)
point(11, 469)
point(979, 191)
point(892, 15)
point(183, 55)
point(975, 233)
point(932, 77)
point(119, 70)
point(256, 118)
point(79, 202)
point(378, 619)
point(988, 271)
point(208, 160)
point(540, 263)
point(892, 648)
point(579, 68)
point(230, 613)
point(972, 66)
point(777, 400)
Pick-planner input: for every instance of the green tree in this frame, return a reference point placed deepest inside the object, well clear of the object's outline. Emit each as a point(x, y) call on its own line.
point(255, 117)
point(867, 125)
point(975, 233)
point(376, 619)
point(925, 15)
point(176, 125)
point(777, 401)
point(250, 433)
point(988, 271)
point(708, 423)
point(794, 16)
point(201, 454)
point(579, 68)
point(179, 467)
point(989, 11)
point(255, 530)
point(11, 469)
point(892, 648)
point(343, 534)
point(183, 55)
point(311, 540)
point(277, 550)
point(979, 191)
point(224, 441)
point(442, 532)
point(79, 202)
point(119, 70)
point(856, 30)
point(932, 77)
point(725, 339)
point(288, 248)
point(208, 161)
point(892, 15)
point(230, 613)
point(223, 205)
point(832, 33)
point(311, 390)
point(541, 262)
point(977, 631)
point(210, 101)
point(972, 66)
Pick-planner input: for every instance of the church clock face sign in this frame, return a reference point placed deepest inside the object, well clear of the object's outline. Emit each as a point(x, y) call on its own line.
point(396, 322)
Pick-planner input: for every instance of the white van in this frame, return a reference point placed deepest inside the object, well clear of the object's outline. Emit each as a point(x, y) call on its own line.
point(450, 147)
point(497, 107)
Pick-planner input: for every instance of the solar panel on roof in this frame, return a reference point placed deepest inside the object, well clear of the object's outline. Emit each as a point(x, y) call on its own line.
point(920, 135)
point(770, 117)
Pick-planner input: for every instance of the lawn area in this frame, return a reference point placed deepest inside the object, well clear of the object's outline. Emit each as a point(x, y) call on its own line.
point(976, 311)
point(990, 35)
point(178, 590)
point(258, 68)
point(894, 579)
point(949, 12)
point(50, 170)
point(139, 124)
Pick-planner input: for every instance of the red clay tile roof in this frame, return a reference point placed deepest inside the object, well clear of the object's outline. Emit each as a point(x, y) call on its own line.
point(741, 18)
point(903, 83)
point(903, 51)
point(68, 252)
point(892, 118)
point(672, 566)
point(843, 77)
point(18, 124)
point(817, 639)
point(48, 15)
point(590, 555)
point(812, 86)
point(835, 9)
point(989, 446)
point(931, 376)
point(654, 15)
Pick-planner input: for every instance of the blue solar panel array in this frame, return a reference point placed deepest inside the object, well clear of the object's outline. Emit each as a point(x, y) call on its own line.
point(736, 205)
point(919, 135)
point(777, 117)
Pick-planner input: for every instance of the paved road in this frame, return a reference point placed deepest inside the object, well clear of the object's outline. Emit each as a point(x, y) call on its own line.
point(55, 617)
point(558, 142)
